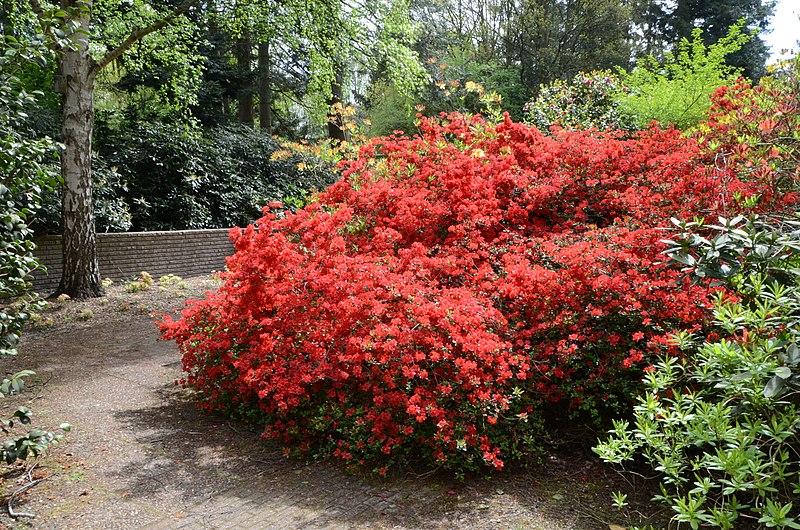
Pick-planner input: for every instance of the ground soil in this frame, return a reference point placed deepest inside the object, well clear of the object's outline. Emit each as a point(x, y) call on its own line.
point(142, 455)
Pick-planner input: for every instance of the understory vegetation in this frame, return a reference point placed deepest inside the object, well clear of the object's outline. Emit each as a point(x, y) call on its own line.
point(24, 178)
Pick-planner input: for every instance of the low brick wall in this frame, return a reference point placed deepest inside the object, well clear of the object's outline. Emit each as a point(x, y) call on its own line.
point(123, 256)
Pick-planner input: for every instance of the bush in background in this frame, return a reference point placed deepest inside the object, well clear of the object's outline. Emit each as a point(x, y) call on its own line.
point(751, 133)
point(590, 100)
point(174, 177)
point(678, 92)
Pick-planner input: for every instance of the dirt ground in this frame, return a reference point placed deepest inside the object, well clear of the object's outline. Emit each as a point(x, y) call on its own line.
point(141, 455)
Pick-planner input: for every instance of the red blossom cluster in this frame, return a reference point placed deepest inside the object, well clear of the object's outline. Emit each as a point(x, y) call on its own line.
point(453, 291)
point(752, 133)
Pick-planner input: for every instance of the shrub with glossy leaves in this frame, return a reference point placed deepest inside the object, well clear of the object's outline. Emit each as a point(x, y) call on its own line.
point(589, 100)
point(720, 424)
point(175, 177)
point(23, 177)
point(453, 292)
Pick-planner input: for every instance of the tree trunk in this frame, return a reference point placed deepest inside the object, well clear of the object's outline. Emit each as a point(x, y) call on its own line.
point(336, 130)
point(264, 89)
point(244, 51)
point(81, 273)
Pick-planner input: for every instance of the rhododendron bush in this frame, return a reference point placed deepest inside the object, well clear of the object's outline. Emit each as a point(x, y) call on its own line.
point(454, 293)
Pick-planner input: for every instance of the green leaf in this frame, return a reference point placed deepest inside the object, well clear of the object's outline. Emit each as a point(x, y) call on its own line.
point(784, 372)
point(793, 354)
point(773, 386)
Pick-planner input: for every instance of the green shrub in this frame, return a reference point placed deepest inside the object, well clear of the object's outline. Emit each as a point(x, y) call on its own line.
point(678, 91)
point(23, 177)
point(720, 424)
point(589, 100)
point(111, 211)
point(179, 177)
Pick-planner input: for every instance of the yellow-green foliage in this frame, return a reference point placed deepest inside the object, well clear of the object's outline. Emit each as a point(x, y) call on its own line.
point(143, 283)
point(678, 91)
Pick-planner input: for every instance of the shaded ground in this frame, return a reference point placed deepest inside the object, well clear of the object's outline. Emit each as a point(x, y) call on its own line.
point(141, 455)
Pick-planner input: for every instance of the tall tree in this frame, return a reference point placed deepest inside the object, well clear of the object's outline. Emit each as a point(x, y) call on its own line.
point(264, 88)
point(559, 38)
point(333, 37)
point(543, 39)
point(244, 63)
point(77, 72)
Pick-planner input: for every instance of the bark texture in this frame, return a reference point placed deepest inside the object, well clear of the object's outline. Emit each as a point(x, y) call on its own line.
point(244, 51)
point(77, 70)
point(264, 89)
point(336, 130)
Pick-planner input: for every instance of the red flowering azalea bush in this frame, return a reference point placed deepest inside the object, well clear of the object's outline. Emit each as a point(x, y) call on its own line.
point(752, 132)
point(453, 293)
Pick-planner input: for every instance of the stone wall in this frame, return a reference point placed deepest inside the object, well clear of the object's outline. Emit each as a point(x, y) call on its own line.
point(123, 256)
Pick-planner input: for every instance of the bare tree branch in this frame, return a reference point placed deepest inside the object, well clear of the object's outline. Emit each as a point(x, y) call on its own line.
point(140, 33)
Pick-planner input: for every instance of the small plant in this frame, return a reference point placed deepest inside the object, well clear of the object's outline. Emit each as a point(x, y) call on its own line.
point(171, 281)
point(85, 315)
point(27, 443)
point(106, 283)
point(142, 283)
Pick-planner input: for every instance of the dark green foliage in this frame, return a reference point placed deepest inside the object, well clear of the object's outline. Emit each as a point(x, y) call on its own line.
point(558, 39)
point(111, 211)
point(23, 178)
point(178, 177)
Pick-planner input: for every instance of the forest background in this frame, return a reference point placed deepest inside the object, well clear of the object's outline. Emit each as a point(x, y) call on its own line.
point(202, 123)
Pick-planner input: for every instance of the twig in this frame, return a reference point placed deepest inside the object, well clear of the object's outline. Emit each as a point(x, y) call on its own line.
point(33, 466)
point(15, 496)
point(590, 514)
point(234, 429)
point(426, 473)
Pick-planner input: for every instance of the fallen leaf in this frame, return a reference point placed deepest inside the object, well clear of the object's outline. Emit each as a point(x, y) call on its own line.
point(615, 527)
